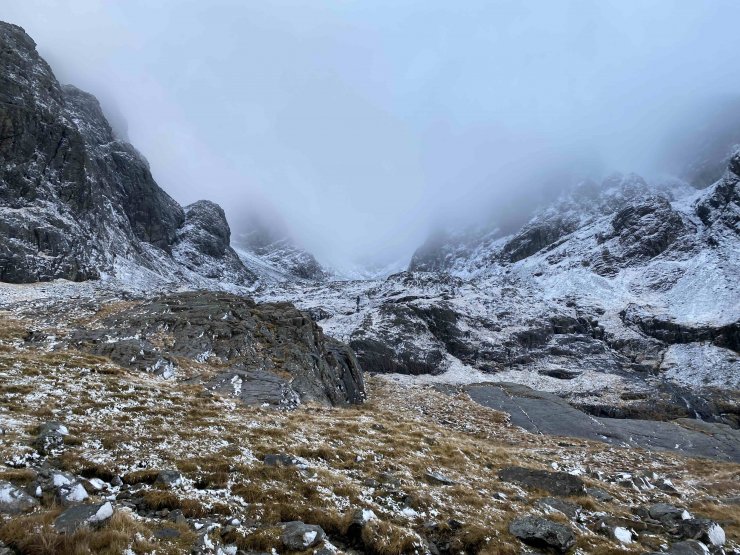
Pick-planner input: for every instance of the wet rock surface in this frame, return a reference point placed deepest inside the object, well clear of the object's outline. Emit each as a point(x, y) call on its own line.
point(549, 414)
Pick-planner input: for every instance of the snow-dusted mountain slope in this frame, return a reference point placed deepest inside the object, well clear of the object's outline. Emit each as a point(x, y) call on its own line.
point(623, 294)
point(78, 203)
point(275, 257)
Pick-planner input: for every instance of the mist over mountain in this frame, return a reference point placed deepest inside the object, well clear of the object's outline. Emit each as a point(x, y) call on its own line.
point(365, 127)
point(378, 287)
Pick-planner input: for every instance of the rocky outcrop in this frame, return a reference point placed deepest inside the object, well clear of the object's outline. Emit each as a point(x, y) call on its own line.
point(671, 332)
point(722, 203)
point(537, 236)
point(646, 229)
point(202, 245)
point(272, 352)
point(75, 201)
point(274, 255)
point(545, 413)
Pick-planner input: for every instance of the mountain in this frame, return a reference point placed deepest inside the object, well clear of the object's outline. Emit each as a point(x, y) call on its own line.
point(621, 297)
point(78, 203)
point(549, 387)
point(275, 257)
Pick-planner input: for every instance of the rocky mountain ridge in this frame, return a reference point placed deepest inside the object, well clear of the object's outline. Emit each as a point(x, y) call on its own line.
point(621, 298)
point(77, 203)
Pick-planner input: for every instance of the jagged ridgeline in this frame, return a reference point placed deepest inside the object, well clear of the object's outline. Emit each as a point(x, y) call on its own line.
point(76, 202)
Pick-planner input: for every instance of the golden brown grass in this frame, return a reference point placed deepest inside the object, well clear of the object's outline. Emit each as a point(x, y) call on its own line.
point(218, 445)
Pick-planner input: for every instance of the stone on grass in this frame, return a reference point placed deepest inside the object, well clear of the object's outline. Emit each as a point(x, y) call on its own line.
point(51, 437)
point(702, 529)
point(599, 494)
point(83, 515)
point(439, 479)
point(169, 478)
point(668, 515)
point(555, 483)
point(690, 547)
point(570, 510)
point(298, 536)
point(14, 500)
point(543, 533)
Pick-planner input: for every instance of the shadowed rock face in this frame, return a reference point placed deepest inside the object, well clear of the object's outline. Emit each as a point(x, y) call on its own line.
point(536, 237)
point(74, 198)
point(275, 353)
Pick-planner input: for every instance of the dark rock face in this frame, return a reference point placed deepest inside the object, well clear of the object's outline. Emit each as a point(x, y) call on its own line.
point(278, 354)
point(722, 205)
point(671, 332)
point(255, 387)
point(556, 483)
point(543, 533)
point(74, 198)
point(205, 224)
point(646, 229)
point(536, 236)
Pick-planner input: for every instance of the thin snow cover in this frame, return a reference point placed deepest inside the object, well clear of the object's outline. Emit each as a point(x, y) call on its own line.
point(686, 515)
point(368, 515)
point(97, 483)
point(702, 364)
point(236, 383)
point(409, 512)
point(76, 493)
point(59, 480)
point(103, 513)
point(623, 535)
point(309, 537)
point(8, 493)
point(716, 534)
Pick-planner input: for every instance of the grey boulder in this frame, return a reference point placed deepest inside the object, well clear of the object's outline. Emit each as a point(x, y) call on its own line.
point(169, 478)
point(571, 510)
point(555, 483)
point(298, 536)
point(14, 500)
point(542, 533)
point(668, 515)
point(690, 547)
point(78, 516)
point(702, 529)
point(51, 437)
point(439, 479)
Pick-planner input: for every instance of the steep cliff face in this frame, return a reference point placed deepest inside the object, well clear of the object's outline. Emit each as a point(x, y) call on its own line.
point(76, 202)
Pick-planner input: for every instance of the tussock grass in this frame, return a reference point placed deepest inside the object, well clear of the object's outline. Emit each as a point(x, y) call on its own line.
point(372, 456)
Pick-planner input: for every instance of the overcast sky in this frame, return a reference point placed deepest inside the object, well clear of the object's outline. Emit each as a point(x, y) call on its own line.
point(361, 123)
